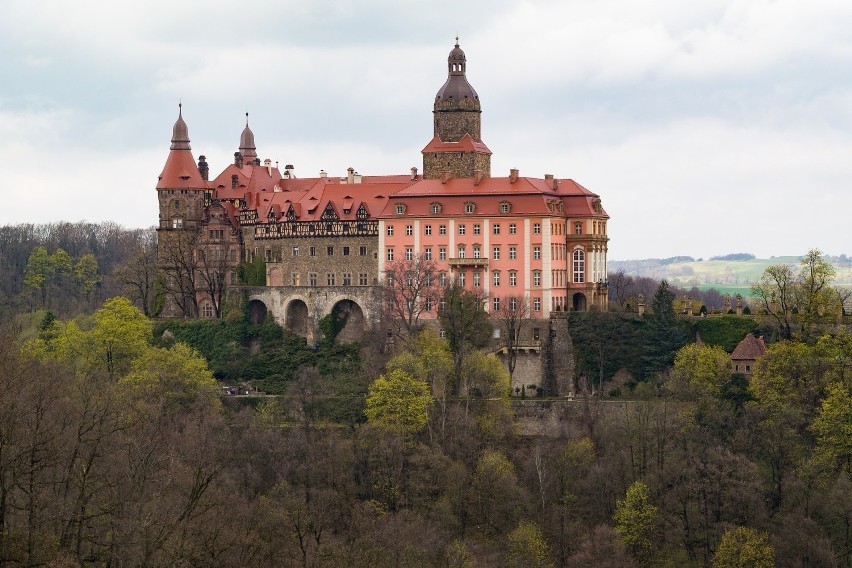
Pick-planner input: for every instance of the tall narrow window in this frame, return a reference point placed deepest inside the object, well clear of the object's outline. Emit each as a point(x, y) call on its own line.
point(579, 266)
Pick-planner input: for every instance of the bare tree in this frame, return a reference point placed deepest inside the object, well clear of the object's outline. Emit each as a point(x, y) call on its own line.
point(410, 289)
point(512, 317)
point(138, 275)
point(620, 287)
point(177, 260)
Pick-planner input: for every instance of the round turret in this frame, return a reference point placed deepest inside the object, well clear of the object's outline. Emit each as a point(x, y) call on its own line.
point(247, 147)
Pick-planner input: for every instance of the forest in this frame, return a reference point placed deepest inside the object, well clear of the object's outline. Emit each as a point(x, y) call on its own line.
point(117, 447)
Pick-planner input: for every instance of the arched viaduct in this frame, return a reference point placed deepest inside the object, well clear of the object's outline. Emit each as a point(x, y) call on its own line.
point(299, 309)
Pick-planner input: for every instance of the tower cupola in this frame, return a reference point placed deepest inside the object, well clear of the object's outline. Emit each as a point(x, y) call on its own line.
point(247, 147)
point(180, 132)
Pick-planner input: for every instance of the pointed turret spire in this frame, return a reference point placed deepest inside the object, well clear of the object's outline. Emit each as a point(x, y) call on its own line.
point(247, 147)
point(180, 133)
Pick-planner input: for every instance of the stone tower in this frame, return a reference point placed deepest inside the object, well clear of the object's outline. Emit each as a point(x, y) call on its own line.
point(180, 191)
point(456, 148)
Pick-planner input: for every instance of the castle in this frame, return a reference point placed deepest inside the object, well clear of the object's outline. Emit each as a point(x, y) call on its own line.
point(329, 242)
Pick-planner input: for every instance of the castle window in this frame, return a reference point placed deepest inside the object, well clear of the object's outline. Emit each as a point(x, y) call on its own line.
point(312, 278)
point(312, 251)
point(579, 266)
point(477, 251)
point(513, 253)
point(495, 278)
point(268, 255)
point(427, 253)
point(390, 230)
point(469, 207)
point(513, 305)
point(505, 207)
point(400, 208)
point(461, 228)
point(207, 310)
point(362, 279)
point(347, 279)
point(461, 251)
point(362, 250)
point(409, 230)
point(177, 223)
point(513, 278)
point(578, 228)
point(462, 278)
point(476, 229)
point(536, 253)
point(536, 308)
point(345, 251)
point(295, 251)
point(536, 228)
point(495, 253)
point(216, 234)
point(427, 230)
point(436, 208)
point(294, 279)
point(477, 279)
point(329, 278)
point(537, 278)
point(496, 304)
point(442, 229)
point(496, 228)
point(442, 278)
point(390, 255)
point(427, 305)
point(409, 254)
point(329, 251)
point(513, 228)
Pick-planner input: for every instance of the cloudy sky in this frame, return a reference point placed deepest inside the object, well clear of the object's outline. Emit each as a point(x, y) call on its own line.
point(706, 127)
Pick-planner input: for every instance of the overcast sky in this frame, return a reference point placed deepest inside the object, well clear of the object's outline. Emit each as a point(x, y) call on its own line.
point(706, 127)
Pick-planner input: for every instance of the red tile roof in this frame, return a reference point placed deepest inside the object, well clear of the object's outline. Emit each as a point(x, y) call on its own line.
point(749, 349)
point(180, 171)
point(466, 144)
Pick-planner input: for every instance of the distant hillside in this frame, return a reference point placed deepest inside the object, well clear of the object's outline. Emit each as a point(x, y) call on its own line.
point(731, 272)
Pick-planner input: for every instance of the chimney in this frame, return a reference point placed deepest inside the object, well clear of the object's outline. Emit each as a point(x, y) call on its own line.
point(445, 177)
point(323, 174)
point(234, 180)
point(356, 178)
point(513, 175)
point(477, 177)
point(267, 163)
point(413, 174)
point(238, 159)
point(350, 175)
point(554, 183)
point(203, 167)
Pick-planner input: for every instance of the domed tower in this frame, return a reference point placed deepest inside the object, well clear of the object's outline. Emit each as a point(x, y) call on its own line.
point(457, 146)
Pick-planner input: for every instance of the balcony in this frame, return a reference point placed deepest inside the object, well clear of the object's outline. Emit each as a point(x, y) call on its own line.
point(474, 262)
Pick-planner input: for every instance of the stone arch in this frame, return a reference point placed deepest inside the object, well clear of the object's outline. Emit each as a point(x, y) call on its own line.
point(349, 321)
point(257, 312)
point(297, 318)
point(579, 302)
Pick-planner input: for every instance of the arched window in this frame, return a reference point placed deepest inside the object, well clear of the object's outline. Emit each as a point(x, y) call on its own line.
point(579, 266)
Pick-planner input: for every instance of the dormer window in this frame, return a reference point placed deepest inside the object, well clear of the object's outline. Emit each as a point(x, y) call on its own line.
point(436, 208)
point(400, 209)
point(469, 207)
point(505, 207)
point(362, 212)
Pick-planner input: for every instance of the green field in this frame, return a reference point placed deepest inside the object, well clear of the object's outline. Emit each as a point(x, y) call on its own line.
point(727, 276)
